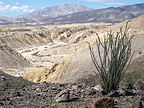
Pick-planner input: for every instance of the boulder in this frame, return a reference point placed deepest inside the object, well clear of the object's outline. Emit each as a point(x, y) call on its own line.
point(63, 96)
point(103, 102)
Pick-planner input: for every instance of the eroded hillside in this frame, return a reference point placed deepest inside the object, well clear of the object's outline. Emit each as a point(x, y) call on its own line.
point(43, 46)
point(59, 53)
point(78, 64)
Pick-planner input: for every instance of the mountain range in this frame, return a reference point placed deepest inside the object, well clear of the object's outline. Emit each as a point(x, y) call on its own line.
point(71, 13)
point(56, 11)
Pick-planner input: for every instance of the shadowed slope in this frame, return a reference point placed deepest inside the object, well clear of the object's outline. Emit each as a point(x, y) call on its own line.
point(9, 58)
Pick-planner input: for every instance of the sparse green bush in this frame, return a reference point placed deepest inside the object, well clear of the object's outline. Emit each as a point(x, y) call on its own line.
point(89, 79)
point(114, 53)
point(130, 78)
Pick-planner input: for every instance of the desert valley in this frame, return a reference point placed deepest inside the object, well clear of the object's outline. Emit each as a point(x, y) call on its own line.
point(45, 53)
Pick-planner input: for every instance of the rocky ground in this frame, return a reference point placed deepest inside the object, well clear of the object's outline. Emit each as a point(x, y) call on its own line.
point(22, 94)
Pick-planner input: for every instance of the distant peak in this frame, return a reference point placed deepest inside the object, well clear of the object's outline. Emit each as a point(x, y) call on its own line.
point(58, 10)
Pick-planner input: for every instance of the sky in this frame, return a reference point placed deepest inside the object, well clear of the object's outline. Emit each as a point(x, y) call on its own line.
point(13, 8)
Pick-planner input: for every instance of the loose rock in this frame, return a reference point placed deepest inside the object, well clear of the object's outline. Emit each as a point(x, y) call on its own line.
point(1, 105)
point(137, 104)
point(98, 88)
point(114, 94)
point(13, 94)
point(63, 96)
point(139, 85)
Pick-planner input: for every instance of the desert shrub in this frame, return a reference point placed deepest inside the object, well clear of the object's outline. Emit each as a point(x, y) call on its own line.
point(130, 78)
point(89, 79)
point(114, 53)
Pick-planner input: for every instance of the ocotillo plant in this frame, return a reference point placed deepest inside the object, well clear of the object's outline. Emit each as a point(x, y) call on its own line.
point(114, 53)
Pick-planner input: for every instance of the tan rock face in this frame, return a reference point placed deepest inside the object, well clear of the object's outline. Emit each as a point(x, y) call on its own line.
point(42, 74)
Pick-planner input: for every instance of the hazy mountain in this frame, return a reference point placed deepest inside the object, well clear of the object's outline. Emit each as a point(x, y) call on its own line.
point(56, 11)
point(70, 13)
point(110, 15)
